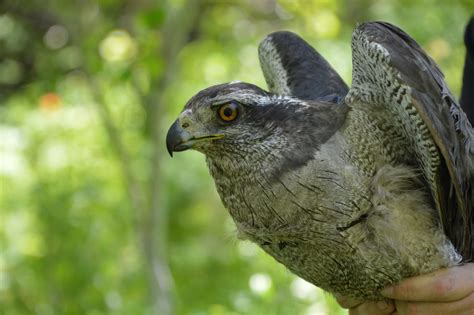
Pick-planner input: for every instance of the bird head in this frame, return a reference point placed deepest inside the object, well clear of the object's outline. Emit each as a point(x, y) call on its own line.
point(223, 117)
point(240, 121)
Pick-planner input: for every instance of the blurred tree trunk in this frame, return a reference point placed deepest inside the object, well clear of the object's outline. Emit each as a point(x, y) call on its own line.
point(154, 224)
point(151, 215)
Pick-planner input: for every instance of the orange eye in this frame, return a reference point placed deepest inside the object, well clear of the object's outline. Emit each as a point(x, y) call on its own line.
point(229, 112)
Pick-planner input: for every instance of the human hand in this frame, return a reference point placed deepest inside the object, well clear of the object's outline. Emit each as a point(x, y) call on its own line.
point(443, 292)
point(447, 291)
point(357, 307)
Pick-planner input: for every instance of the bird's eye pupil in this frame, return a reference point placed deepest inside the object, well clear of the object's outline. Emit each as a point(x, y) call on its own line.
point(228, 112)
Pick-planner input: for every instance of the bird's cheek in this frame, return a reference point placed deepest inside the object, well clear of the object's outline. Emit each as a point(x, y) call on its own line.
point(204, 147)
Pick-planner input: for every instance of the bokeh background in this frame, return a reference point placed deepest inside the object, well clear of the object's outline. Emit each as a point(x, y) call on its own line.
point(95, 217)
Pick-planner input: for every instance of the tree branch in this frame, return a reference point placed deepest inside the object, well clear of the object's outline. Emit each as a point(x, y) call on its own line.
point(177, 30)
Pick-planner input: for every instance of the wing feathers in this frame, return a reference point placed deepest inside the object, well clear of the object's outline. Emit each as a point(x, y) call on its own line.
point(292, 67)
point(391, 69)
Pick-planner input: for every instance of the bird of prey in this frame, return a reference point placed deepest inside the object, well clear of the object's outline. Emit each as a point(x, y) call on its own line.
point(350, 189)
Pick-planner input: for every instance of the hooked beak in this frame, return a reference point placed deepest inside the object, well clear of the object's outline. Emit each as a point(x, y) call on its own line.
point(179, 139)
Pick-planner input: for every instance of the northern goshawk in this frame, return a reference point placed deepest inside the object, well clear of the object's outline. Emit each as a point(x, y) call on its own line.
point(351, 189)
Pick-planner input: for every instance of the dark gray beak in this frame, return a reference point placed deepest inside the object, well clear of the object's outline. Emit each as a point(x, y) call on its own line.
point(176, 138)
point(179, 139)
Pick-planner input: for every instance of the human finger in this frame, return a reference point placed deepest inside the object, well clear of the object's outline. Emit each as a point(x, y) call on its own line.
point(463, 306)
point(448, 284)
point(347, 302)
point(373, 308)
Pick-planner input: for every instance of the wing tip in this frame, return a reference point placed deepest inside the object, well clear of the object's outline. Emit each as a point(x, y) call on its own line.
point(278, 37)
point(463, 126)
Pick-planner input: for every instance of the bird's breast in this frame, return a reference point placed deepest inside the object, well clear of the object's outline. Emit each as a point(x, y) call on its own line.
point(332, 222)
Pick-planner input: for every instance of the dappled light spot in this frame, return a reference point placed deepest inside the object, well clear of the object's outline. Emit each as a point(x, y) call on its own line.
point(19, 229)
point(303, 290)
point(247, 249)
point(55, 156)
point(118, 46)
point(215, 67)
point(56, 37)
point(260, 283)
point(325, 24)
point(317, 309)
point(12, 163)
point(12, 144)
point(50, 101)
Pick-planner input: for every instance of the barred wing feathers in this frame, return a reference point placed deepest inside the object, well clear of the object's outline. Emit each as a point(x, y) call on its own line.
point(391, 69)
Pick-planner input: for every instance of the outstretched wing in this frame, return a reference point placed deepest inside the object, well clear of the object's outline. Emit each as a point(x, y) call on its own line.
point(391, 69)
point(292, 67)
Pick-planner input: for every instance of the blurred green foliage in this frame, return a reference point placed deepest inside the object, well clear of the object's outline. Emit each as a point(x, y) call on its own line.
point(95, 217)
